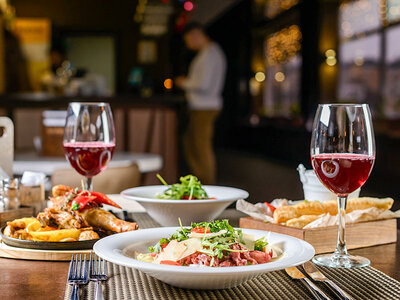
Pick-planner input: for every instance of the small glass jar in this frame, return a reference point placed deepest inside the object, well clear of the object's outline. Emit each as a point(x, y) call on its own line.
point(11, 193)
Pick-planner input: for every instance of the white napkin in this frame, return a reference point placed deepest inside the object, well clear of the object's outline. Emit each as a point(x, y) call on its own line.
point(33, 178)
point(260, 211)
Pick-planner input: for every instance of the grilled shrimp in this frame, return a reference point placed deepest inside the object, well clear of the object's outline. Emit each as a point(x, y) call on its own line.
point(61, 190)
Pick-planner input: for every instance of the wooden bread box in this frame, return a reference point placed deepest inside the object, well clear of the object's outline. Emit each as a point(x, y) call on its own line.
point(324, 239)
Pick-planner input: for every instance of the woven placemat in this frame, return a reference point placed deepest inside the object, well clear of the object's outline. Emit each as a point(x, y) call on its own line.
point(126, 283)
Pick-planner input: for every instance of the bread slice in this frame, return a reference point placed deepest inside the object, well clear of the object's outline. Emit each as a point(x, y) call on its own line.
point(285, 213)
point(301, 221)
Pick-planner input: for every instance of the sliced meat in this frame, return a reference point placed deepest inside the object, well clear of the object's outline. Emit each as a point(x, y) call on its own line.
point(260, 257)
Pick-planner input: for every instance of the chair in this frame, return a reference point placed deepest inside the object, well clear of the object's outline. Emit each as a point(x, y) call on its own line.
point(110, 181)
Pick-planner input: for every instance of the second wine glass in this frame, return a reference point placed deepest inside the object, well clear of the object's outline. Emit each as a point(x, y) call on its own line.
point(342, 155)
point(89, 138)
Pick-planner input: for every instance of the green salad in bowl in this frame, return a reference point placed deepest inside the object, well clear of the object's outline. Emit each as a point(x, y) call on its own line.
point(189, 188)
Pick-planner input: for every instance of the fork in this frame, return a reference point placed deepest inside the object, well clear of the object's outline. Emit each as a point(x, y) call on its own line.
point(97, 273)
point(77, 274)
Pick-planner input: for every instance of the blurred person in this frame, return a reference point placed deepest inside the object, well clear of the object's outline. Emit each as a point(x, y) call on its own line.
point(203, 88)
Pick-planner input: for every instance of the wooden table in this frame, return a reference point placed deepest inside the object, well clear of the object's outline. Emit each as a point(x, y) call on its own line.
point(21, 279)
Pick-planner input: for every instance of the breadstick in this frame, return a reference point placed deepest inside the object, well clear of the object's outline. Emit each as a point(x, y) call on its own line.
point(301, 221)
point(285, 213)
point(359, 203)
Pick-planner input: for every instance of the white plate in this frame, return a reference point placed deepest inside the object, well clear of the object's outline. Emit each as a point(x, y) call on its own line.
point(115, 248)
point(167, 212)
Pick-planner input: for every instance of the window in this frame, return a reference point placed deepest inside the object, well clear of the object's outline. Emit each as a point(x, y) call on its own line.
point(282, 80)
point(369, 65)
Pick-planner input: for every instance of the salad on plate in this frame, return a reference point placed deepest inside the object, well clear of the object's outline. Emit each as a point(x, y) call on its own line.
point(212, 244)
point(189, 188)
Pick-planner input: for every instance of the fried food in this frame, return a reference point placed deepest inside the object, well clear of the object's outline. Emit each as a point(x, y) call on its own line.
point(285, 213)
point(301, 221)
point(359, 204)
point(75, 215)
point(307, 208)
point(88, 235)
point(61, 190)
point(63, 219)
point(98, 217)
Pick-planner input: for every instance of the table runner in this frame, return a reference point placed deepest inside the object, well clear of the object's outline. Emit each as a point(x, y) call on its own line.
point(127, 283)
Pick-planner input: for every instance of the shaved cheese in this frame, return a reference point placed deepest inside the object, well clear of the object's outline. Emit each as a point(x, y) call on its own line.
point(192, 245)
point(207, 235)
point(178, 250)
point(173, 252)
point(249, 241)
point(276, 251)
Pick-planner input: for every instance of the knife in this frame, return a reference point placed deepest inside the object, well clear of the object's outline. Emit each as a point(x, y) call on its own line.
point(315, 274)
point(295, 273)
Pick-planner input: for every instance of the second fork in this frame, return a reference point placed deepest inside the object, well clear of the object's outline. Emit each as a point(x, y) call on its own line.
point(97, 273)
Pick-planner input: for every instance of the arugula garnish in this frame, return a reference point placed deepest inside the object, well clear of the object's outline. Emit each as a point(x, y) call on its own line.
point(260, 244)
point(189, 188)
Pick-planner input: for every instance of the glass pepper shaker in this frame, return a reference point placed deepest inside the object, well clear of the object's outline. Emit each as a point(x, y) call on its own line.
point(11, 193)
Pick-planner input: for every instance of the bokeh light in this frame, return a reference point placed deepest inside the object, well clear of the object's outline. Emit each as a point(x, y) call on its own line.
point(168, 83)
point(279, 76)
point(331, 61)
point(259, 76)
point(188, 6)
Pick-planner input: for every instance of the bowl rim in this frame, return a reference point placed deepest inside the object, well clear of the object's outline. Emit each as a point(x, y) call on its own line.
point(242, 194)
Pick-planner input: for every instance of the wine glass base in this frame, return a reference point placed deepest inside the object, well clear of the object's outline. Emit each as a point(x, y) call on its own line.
point(334, 260)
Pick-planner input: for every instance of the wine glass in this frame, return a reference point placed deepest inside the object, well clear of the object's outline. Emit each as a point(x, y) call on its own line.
point(89, 138)
point(342, 155)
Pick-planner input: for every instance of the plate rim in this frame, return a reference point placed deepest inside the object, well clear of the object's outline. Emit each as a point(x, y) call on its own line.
point(124, 193)
point(204, 271)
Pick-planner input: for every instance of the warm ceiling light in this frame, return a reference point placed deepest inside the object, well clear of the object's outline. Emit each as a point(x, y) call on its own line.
point(259, 76)
point(168, 83)
point(331, 61)
point(188, 6)
point(330, 52)
point(279, 76)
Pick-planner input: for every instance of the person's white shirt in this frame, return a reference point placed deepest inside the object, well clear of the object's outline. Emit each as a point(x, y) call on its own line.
point(205, 81)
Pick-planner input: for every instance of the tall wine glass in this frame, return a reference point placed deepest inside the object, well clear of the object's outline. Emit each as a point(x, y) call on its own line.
point(89, 138)
point(342, 155)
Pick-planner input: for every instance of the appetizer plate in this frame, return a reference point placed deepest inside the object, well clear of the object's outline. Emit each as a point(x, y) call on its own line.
point(78, 245)
point(167, 212)
point(120, 249)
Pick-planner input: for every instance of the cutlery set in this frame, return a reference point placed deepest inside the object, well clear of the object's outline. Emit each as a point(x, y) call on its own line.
point(316, 275)
point(83, 270)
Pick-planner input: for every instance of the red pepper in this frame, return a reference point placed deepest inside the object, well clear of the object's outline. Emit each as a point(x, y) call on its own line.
point(186, 197)
point(200, 230)
point(103, 199)
point(99, 198)
point(164, 245)
point(271, 207)
point(83, 200)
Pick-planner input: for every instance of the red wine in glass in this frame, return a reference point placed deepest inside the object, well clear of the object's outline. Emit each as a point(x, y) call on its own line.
point(342, 173)
point(89, 158)
point(342, 155)
point(89, 138)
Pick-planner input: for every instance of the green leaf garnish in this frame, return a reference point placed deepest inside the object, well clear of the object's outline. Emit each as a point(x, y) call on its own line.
point(189, 188)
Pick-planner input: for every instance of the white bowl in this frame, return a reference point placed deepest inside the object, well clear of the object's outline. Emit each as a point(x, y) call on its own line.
point(314, 190)
point(115, 248)
point(167, 212)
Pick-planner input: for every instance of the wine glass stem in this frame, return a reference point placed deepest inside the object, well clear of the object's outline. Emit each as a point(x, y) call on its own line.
point(341, 243)
point(89, 184)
